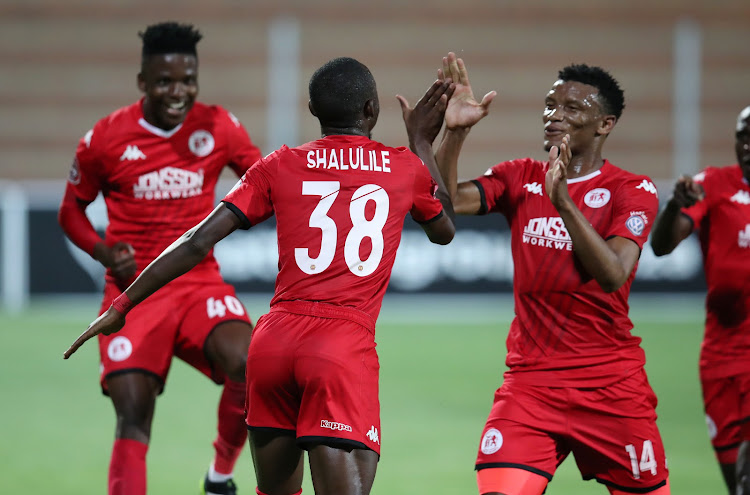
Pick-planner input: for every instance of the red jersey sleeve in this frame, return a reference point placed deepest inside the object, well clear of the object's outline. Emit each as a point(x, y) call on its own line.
point(250, 198)
point(87, 174)
point(699, 209)
point(242, 152)
point(425, 206)
point(634, 210)
point(494, 183)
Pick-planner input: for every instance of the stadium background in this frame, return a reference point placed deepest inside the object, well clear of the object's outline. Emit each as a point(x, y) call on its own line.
point(685, 68)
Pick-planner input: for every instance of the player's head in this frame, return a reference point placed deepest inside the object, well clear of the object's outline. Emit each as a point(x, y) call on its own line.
point(169, 72)
point(344, 98)
point(585, 102)
point(742, 141)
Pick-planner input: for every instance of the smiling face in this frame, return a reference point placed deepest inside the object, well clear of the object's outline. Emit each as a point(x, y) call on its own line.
point(742, 142)
point(170, 85)
point(574, 108)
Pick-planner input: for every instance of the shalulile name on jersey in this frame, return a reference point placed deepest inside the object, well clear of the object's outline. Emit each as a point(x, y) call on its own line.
point(349, 159)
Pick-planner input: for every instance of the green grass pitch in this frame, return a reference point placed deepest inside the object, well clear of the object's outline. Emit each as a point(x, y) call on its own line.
point(441, 361)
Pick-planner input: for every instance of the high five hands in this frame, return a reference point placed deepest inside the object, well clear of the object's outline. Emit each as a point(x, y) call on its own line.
point(556, 180)
point(463, 109)
point(423, 122)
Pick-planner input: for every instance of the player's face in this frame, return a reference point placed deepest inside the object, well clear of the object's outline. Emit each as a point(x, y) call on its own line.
point(170, 84)
point(742, 142)
point(572, 108)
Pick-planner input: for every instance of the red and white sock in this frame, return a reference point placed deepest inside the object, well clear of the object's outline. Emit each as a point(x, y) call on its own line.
point(127, 467)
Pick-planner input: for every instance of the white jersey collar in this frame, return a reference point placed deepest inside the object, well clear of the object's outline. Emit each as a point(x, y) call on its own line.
point(156, 130)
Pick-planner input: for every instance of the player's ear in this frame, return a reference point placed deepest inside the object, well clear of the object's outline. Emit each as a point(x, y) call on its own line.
point(141, 82)
point(372, 110)
point(606, 124)
point(312, 110)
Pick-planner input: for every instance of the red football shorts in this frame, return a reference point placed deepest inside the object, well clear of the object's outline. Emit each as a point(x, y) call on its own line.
point(610, 430)
point(727, 405)
point(174, 321)
point(312, 368)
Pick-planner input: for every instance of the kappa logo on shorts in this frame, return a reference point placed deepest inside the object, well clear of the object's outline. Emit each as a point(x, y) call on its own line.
point(119, 349)
point(373, 435)
point(333, 425)
point(491, 441)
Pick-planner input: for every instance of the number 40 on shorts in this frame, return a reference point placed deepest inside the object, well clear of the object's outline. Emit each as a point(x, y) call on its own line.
point(216, 308)
point(647, 461)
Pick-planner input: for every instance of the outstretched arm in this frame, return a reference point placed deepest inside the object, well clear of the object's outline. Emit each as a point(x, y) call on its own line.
point(462, 114)
point(178, 258)
point(609, 262)
point(671, 226)
point(423, 123)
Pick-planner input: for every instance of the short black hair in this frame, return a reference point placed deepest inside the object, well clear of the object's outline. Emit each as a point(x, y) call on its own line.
point(339, 90)
point(169, 37)
point(612, 96)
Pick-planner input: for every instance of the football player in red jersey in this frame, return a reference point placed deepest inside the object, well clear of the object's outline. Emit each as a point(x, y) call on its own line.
point(716, 203)
point(340, 203)
point(575, 381)
point(156, 162)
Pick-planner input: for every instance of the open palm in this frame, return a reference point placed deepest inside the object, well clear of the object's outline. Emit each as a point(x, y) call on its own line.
point(463, 109)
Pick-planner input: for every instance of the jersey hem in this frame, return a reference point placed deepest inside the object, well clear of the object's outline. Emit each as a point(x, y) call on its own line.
point(482, 198)
point(433, 219)
point(132, 370)
point(625, 488)
point(245, 222)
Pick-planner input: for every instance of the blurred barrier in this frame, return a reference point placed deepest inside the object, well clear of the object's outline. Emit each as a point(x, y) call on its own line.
point(38, 259)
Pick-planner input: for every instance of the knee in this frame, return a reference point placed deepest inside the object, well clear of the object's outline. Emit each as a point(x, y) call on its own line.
point(134, 420)
point(234, 366)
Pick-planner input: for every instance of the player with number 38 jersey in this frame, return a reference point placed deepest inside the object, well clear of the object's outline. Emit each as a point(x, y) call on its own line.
point(355, 193)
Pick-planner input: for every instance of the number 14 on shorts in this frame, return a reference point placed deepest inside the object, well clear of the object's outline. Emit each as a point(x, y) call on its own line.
point(647, 459)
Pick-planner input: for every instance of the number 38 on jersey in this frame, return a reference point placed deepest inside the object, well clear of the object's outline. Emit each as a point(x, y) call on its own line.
point(361, 228)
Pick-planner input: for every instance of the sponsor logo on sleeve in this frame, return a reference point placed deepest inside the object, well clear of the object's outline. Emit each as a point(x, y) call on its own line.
point(491, 441)
point(201, 143)
point(637, 222)
point(647, 186)
point(74, 176)
point(596, 198)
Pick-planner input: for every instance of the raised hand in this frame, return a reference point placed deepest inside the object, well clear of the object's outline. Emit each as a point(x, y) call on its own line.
point(556, 180)
point(108, 323)
point(687, 192)
point(423, 122)
point(463, 110)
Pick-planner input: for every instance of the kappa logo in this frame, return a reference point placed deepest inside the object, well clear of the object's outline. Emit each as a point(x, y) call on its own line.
point(596, 198)
point(742, 197)
point(333, 425)
point(647, 186)
point(534, 188)
point(491, 441)
point(373, 435)
point(201, 143)
point(744, 237)
point(119, 349)
point(169, 183)
point(132, 152)
point(712, 430)
point(549, 232)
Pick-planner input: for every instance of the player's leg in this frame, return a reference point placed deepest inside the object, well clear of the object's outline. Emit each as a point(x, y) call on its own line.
point(134, 397)
point(338, 471)
point(721, 401)
point(213, 337)
point(743, 469)
point(277, 460)
point(521, 444)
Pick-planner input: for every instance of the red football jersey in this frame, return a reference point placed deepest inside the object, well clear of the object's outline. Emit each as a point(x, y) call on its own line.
point(567, 330)
point(157, 184)
point(723, 223)
point(340, 204)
